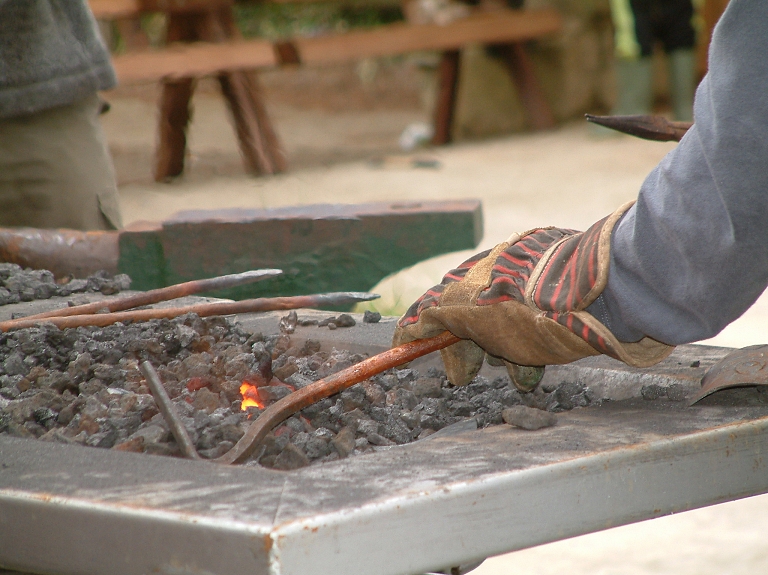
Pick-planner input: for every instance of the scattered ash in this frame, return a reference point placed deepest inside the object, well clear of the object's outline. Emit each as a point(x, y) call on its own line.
point(17, 284)
point(83, 386)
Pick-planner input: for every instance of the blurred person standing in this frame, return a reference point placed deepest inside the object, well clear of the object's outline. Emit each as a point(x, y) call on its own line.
point(55, 168)
point(638, 25)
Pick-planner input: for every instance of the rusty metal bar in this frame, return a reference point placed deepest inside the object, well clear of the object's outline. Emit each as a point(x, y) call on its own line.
point(154, 296)
point(331, 385)
point(656, 128)
point(166, 407)
point(63, 252)
point(203, 310)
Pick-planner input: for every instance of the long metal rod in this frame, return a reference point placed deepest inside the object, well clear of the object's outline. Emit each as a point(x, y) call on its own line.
point(331, 385)
point(203, 310)
point(156, 295)
point(166, 407)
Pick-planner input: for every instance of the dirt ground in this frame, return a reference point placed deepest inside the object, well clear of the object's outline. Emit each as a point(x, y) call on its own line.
point(333, 123)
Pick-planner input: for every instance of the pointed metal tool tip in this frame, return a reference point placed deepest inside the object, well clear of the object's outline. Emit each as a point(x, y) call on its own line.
point(619, 123)
point(363, 296)
point(343, 297)
point(260, 273)
point(647, 127)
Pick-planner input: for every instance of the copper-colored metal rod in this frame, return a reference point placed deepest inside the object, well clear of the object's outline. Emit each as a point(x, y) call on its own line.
point(203, 310)
point(166, 407)
point(331, 385)
point(656, 128)
point(157, 295)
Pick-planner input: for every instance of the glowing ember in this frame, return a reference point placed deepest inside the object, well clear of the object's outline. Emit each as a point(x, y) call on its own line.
point(250, 395)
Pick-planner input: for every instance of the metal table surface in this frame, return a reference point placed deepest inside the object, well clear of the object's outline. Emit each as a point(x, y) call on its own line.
point(432, 504)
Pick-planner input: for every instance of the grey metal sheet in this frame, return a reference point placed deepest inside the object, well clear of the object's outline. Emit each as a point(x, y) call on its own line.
point(68, 509)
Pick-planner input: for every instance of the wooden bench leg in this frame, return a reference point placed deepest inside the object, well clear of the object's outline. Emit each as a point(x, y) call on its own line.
point(172, 138)
point(174, 105)
point(258, 141)
point(521, 69)
point(448, 78)
point(274, 148)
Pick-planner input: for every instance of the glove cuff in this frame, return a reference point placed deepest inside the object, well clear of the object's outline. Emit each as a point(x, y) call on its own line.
point(570, 276)
point(573, 272)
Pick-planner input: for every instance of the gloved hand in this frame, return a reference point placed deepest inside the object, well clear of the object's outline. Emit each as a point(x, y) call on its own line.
point(523, 302)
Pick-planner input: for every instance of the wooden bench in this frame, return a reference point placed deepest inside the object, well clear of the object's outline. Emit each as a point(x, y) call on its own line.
point(204, 41)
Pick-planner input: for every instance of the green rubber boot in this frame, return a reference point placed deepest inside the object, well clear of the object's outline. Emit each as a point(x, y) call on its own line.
point(682, 71)
point(635, 87)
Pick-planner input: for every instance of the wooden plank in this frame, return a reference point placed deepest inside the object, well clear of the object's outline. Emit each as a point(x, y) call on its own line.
point(194, 60)
point(446, 97)
point(206, 59)
point(501, 26)
point(113, 9)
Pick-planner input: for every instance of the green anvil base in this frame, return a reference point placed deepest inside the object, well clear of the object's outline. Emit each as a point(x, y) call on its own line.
point(319, 247)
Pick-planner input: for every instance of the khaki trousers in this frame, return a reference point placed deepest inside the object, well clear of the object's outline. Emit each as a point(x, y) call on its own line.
point(56, 172)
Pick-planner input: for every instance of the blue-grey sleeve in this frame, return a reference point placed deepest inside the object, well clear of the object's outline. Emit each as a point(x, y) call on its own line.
point(692, 254)
point(51, 54)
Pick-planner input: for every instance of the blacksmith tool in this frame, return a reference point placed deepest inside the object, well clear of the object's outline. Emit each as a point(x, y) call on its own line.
point(332, 299)
point(166, 407)
point(744, 367)
point(154, 296)
point(656, 128)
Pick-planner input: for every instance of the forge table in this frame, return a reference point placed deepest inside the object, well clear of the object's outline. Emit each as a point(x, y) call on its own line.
point(435, 503)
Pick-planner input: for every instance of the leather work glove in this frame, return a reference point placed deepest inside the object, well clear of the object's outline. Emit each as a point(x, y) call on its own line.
point(523, 302)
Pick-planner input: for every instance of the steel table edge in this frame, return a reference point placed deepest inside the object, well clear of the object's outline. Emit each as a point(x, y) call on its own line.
point(513, 510)
point(124, 538)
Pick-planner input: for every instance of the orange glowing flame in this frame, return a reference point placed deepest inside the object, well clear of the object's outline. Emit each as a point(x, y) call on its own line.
point(251, 397)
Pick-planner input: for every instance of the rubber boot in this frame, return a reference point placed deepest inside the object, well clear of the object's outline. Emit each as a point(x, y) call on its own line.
point(635, 87)
point(682, 80)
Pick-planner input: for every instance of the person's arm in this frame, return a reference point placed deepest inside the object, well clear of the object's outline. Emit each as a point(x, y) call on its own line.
point(692, 255)
point(688, 258)
point(51, 55)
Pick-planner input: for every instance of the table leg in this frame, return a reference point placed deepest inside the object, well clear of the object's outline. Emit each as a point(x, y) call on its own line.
point(448, 77)
point(523, 75)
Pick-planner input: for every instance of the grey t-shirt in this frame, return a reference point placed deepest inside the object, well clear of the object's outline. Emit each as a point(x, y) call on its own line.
point(50, 55)
point(692, 255)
